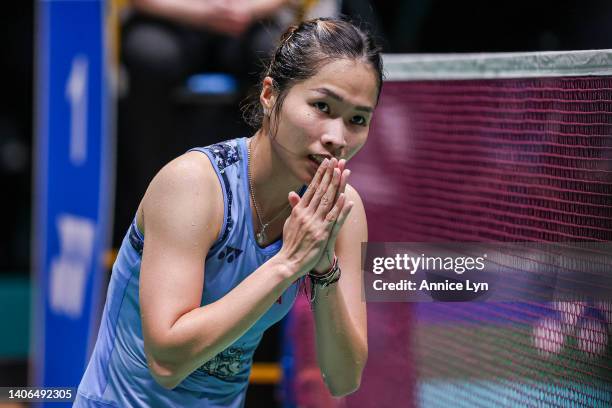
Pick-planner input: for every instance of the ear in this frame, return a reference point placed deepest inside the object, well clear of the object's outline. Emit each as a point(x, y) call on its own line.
point(268, 95)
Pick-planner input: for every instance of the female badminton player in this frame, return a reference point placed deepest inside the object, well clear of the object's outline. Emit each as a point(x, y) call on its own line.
point(225, 235)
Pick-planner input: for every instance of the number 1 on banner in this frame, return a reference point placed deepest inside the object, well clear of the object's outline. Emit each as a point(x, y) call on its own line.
point(76, 93)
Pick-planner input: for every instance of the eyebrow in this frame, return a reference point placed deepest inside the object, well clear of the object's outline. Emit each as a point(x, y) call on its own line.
point(337, 97)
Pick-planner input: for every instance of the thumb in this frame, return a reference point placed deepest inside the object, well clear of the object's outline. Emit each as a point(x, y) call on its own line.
point(294, 199)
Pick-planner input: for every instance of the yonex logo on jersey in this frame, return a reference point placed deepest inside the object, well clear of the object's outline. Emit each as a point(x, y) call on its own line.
point(230, 254)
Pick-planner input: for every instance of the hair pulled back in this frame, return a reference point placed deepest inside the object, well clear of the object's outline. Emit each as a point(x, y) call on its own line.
point(304, 49)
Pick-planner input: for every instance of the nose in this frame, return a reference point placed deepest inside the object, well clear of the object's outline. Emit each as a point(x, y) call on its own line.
point(334, 138)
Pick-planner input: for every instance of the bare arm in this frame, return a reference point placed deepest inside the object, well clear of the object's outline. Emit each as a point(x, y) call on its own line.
point(181, 214)
point(230, 17)
point(340, 312)
point(264, 8)
point(214, 15)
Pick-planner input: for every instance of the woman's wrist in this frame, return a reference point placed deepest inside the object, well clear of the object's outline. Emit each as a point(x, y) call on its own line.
point(288, 268)
point(320, 282)
point(325, 264)
point(328, 277)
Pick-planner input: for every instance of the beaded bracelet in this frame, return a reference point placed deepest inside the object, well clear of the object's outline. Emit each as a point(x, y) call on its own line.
point(329, 278)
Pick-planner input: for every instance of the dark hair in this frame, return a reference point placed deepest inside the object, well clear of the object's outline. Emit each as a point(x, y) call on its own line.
point(304, 49)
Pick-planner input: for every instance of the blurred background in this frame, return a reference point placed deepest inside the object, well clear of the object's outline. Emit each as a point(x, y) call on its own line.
point(179, 78)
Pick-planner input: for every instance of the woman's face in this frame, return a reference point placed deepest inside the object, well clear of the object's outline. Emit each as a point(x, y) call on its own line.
point(327, 115)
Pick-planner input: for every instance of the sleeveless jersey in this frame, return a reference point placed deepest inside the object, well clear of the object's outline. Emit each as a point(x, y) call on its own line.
point(117, 374)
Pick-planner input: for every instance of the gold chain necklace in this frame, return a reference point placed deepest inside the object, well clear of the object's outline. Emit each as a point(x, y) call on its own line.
point(260, 236)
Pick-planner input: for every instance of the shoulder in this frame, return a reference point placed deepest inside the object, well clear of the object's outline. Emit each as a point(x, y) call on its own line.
point(224, 154)
point(356, 223)
point(353, 195)
point(191, 174)
point(185, 189)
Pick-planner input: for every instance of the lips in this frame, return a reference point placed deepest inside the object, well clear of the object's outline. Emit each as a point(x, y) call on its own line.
point(318, 158)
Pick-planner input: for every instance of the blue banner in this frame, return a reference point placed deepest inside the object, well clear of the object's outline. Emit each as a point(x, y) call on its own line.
point(74, 184)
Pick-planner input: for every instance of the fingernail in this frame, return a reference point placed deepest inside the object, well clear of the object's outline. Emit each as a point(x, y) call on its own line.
point(325, 162)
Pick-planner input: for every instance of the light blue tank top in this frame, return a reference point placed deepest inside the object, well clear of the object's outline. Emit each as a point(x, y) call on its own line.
point(117, 373)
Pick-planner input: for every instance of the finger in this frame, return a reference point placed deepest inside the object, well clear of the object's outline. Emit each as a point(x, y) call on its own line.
point(294, 199)
point(323, 186)
point(329, 198)
point(327, 192)
point(314, 183)
point(333, 215)
point(344, 181)
point(337, 226)
point(344, 213)
point(342, 167)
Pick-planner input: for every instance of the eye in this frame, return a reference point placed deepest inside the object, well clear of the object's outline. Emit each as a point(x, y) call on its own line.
point(358, 120)
point(322, 106)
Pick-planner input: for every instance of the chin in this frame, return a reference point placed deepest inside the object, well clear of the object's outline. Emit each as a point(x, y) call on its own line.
point(305, 177)
point(301, 173)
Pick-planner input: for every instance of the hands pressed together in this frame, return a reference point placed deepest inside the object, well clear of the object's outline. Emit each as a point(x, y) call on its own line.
point(310, 232)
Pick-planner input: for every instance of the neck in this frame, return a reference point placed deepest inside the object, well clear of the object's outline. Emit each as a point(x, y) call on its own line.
point(272, 180)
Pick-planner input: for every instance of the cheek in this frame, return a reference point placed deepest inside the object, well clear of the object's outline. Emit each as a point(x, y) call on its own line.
point(302, 124)
point(356, 144)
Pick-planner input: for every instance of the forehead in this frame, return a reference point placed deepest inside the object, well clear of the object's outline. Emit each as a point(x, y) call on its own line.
point(354, 81)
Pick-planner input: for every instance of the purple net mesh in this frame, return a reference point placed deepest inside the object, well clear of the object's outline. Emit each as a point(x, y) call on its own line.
point(500, 160)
